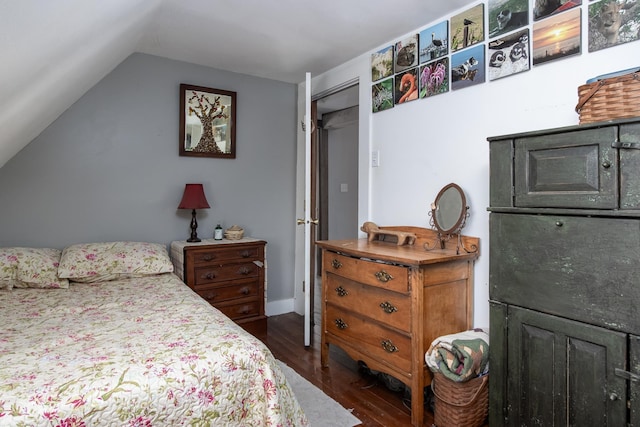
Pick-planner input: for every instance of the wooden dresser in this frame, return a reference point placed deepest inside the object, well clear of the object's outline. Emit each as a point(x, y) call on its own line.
point(565, 276)
point(384, 304)
point(229, 274)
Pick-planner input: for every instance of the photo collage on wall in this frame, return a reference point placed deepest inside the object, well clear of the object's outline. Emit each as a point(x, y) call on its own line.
point(453, 55)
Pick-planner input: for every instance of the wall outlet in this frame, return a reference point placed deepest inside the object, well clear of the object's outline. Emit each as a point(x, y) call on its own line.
point(375, 158)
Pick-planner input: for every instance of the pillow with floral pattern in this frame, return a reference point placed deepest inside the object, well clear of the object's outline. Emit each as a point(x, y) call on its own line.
point(105, 261)
point(32, 268)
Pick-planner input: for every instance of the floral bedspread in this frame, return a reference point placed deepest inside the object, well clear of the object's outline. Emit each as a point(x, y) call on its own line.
point(135, 352)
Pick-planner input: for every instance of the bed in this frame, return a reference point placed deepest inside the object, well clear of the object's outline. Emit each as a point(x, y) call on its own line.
point(106, 335)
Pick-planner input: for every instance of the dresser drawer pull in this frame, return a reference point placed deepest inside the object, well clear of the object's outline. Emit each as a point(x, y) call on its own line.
point(383, 276)
point(245, 291)
point(244, 270)
point(208, 257)
point(342, 292)
point(245, 310)
point(210, 297)
point(341, 324)
point(389, 347)
point(245, 254)
point(210, 275)
point(388, 307)
point(336, 264)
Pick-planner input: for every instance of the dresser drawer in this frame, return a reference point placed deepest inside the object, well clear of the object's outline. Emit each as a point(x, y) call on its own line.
point(239, 311)
point(215, 255)
point(214, 293)
point(386, 276)
point(577, 169)
point(372, 338)
point(582, 268)
point(388, 307)
point(212, 274)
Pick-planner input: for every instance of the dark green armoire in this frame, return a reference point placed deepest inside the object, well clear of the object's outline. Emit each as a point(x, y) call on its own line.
point(564, 281)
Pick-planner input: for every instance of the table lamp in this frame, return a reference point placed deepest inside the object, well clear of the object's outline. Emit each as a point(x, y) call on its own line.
point(193, 198)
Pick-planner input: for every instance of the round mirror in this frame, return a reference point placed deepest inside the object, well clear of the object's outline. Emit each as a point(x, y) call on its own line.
point(449, 210)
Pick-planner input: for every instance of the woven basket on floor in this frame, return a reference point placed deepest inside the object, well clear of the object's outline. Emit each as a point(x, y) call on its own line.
point(608, 99)
point(460, 404)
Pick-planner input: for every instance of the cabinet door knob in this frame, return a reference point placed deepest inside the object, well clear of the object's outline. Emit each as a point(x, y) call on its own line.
point(336, 264)
point(388, 307)
point(613, 396)
point(342, 292)
point(383, 276)
point(559, 223)
point(388, 346)
point(341, 324)
point(606, 164)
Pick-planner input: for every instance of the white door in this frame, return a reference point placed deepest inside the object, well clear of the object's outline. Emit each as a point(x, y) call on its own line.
point(306, 216)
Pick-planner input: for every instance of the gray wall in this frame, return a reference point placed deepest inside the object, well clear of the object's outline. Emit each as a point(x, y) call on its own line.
point(108, 168)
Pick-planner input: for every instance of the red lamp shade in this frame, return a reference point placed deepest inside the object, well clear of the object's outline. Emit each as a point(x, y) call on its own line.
point(193, 197)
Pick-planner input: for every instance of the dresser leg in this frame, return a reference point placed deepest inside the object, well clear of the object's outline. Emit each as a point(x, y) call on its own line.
point(417, 404)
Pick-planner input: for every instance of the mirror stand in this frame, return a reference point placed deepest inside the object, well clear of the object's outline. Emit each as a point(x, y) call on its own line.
point(448, 215)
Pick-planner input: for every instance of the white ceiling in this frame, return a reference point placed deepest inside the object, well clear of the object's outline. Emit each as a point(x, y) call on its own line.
point(55, 51)
point(282, 39)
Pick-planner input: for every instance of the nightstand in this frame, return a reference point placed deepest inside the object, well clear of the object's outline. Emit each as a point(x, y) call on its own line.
point(229, 274)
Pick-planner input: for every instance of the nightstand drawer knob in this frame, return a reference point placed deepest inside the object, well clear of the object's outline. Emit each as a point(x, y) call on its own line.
point(388, 307)
point(341, 324)
point(388, 346)
point(245, 291)
point(210, 275)
point(207, 257)
point(245, 254)
point(342, 292)
point(244, 270)
point(383, 276)
point(336, 264)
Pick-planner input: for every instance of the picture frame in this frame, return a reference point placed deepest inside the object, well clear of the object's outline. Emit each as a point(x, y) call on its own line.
point(557, 37)
point(207, 122)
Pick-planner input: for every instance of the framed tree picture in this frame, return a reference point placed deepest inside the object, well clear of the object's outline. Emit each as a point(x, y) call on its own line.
point(207, 122)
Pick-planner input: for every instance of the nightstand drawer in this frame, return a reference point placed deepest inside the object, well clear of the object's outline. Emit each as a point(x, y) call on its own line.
point(214, 256)
point(214, 293)
point(386, 276)
point(392, 308)
point(372, 338)
point(241, 310)
point(222, 273)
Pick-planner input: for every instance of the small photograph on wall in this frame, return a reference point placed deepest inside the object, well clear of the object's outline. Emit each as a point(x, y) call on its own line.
point(509, 55)
point(434, 42)
point(613, 22)
point(406, 88)
point(557, 37)
point(382, 64)
point(467, 28)
point(545, 8)
point(382, 95)
point(434, 78)
point(507, 15)
point(406, 53)
point(467, 67)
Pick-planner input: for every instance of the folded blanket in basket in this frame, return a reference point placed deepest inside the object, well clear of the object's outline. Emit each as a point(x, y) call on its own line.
point(461, 356)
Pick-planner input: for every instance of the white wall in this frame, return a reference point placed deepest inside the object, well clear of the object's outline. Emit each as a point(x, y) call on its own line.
point(428, 143)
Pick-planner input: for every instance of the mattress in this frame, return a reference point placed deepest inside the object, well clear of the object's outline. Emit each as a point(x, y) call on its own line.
point(136, 352)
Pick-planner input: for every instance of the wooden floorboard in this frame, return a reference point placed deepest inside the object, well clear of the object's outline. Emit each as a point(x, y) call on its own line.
point(372, 402)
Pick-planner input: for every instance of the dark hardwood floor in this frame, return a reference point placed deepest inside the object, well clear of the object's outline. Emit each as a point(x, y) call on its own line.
point(372, 402)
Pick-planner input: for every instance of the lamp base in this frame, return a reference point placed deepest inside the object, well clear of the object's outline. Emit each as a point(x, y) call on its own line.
point(194, 227)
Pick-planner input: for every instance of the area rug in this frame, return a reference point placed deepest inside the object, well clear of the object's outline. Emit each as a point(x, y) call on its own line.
point(321, 410)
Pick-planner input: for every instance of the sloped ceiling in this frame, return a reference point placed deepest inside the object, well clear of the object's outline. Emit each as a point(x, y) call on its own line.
point(54, 51)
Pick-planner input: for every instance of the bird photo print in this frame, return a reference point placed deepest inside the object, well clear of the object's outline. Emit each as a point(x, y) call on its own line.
point(407, 86)
point(467, 67)
point(509, 55)
point(434, 42)
point(467, 28)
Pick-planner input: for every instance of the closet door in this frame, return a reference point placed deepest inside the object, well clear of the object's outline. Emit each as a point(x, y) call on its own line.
point(563, 373)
